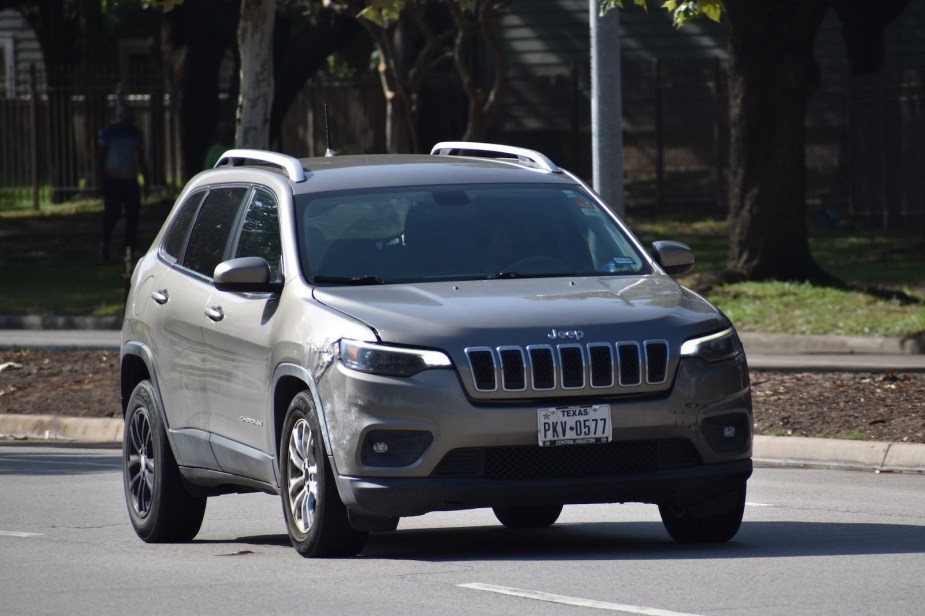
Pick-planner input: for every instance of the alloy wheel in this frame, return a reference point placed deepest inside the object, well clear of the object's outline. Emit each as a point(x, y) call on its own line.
point(140, 467)
point(303, 475)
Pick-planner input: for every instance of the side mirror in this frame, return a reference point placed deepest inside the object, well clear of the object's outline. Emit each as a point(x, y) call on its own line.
point(245, 275)
point(673, 257)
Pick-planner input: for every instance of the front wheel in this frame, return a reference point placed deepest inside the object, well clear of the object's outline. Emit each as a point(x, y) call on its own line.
point(714, 521)
point(539, 516)
point(316, 519)
point(159, 506)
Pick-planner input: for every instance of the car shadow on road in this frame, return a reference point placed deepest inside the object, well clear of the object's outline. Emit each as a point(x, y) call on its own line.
point(644, 541)
point(54, 463)
point(630, 541)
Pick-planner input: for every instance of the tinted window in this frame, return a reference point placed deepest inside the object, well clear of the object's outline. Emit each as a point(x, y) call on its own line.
point(179, 230)
point(213, 226)
point(460, 232)
point(260, 231)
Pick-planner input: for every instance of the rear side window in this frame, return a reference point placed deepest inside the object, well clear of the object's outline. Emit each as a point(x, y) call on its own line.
point(179, 230)
point(216, 220)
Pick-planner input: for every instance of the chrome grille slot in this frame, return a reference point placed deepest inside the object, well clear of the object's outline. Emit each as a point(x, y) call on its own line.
point(544, 367)
point(483, 368)
point(513, 369)
point(562, 369)
point(656, 361)
point(630, 369)
point(601, 357)
point(572, 364)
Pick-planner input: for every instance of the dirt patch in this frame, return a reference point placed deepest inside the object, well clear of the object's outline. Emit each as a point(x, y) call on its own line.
point(880, 406)
point(874, 406)
point(73, 384)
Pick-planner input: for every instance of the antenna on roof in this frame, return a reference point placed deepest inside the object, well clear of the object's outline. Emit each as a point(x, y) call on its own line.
point(327, 133)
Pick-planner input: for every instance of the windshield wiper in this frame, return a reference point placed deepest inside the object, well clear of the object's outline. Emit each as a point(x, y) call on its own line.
point(511, 275)
point(503, 276)
point(355, 280)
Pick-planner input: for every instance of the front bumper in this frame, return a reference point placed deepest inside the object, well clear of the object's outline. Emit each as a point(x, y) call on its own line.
point(398, 497)
point(695, 410)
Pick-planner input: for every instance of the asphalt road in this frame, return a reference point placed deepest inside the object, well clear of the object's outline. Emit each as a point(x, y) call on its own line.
point(813, 542)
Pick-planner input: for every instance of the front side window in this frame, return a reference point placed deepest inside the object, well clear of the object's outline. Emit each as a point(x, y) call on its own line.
point(259, 235)
point(209, 237)
point(464, 232)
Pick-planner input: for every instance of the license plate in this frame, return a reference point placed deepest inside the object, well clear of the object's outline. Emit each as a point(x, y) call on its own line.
point(573, 425)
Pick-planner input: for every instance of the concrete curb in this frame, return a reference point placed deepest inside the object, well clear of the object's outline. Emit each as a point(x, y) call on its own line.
point(879, 456)
point(55, 428)
point(790, 344)
point(34, 322)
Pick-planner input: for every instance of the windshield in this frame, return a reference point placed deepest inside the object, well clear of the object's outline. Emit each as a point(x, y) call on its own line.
point(466, 232)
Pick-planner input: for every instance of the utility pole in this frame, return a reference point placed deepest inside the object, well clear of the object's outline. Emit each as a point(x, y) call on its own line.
point(606, 106)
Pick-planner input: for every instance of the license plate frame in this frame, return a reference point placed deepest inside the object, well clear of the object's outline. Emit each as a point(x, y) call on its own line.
point(581, 424)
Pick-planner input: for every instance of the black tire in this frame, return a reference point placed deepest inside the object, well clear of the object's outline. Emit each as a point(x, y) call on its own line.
point(316, 518)
point(715, 521)
point(539, 516)
point(159, 506)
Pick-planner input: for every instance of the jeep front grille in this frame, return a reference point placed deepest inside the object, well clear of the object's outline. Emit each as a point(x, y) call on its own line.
point(569, 367)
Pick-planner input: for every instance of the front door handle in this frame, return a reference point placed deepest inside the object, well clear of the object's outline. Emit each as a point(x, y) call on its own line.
point(215, 313)
point(160, 297)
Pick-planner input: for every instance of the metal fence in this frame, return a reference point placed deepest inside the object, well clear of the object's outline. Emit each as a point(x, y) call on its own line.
point(48, 136)
point(864, 160)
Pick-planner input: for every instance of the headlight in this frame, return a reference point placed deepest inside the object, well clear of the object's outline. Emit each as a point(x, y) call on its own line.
point(715, 347)
point(390, 361)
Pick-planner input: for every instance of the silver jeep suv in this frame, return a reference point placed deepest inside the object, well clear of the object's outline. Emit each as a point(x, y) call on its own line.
point(372, 337)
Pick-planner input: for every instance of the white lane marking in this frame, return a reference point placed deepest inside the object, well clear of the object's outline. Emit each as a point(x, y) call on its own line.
point(751, 504)
point(576, 601)
point(10, 533)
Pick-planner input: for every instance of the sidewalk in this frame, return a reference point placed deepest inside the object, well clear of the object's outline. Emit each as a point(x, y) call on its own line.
point(765, 352)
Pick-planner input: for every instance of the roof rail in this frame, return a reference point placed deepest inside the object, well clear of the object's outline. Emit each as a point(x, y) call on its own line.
point(292, 166)
point(446, 148)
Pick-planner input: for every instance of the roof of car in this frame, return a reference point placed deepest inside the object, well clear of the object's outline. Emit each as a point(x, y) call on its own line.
point(392, 170)
point(336, 172)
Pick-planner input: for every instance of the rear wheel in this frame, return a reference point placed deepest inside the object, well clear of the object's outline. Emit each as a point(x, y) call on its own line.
point(713, 521)
point(160, 507)
point(316, 519)
point(528, 517)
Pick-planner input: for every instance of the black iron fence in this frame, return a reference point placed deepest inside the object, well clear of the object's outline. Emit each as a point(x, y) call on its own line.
point(864, 159)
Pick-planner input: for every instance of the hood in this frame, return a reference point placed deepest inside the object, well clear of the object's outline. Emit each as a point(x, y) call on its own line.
point(453, 315)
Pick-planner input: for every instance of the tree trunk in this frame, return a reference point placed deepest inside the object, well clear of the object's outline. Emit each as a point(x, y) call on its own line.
point(400, 115)
point(195, 38)
point(255, 100)
point(301, 47)
point(772, 73)
point(482, 107)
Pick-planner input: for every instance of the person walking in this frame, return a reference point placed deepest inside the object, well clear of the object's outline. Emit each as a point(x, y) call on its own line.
point(121, 162)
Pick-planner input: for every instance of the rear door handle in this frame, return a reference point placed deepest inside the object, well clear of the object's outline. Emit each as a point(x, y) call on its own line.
point(215, 313)
point(160, 297)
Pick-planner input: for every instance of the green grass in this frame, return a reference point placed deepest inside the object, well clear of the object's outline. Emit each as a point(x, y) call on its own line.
point(50, 262)
point(851, 435)
point(794, 308)
point(864, 259)
point(68, 289)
